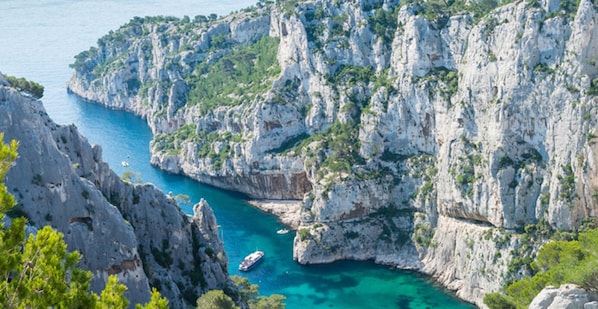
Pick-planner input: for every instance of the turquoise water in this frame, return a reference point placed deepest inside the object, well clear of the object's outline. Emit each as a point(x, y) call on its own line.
point(38, 40)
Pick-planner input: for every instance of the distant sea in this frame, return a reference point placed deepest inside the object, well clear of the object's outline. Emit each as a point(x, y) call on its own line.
point(38, 39)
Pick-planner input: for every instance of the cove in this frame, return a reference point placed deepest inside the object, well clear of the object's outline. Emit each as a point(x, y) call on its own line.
point(344, 284)
point(39, 40)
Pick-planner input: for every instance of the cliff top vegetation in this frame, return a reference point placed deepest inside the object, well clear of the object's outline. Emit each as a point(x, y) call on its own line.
point(558, 262)
point(26, 86)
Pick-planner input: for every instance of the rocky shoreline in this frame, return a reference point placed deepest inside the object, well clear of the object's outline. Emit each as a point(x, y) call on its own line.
point(287, 211)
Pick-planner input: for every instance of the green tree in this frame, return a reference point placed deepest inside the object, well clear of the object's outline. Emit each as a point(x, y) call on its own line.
point(246, 289)
point(182, 198)
point(156, 302)
point(250, 294)
point(274, 301)
point(46, 274)
point(498, 301)
point(215, 299)
point(558, 262)
point(112, 295)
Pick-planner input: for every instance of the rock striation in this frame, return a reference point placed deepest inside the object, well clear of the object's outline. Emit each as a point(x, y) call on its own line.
point(133, 231)
point(420, 138)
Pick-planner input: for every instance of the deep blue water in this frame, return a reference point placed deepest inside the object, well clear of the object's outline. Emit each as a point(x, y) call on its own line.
point(38, 39)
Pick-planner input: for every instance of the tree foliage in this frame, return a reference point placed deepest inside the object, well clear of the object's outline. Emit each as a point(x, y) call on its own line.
point(156, 301)
point(247, 290)
point(8, 153)
point(250, 294)
point(37, 271)
point(439, 10)
point(30, 87)
point(384, 24)
point(558, 262)
point(215, 299)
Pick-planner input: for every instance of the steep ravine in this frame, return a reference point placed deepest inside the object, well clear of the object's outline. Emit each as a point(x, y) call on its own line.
point(418, 139)
point(133, 231)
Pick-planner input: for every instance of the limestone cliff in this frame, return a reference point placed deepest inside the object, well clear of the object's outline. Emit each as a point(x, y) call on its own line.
point(133, 231)
point(418, 135)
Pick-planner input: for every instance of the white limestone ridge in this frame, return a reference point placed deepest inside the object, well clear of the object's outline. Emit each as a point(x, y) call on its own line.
point(423, 144)
point(567, 296)
point(133, 231)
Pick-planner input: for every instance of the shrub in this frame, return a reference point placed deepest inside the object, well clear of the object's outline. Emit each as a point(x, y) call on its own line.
point(567, 182)
point(384, 24)
point(558, 262)
point(423, 234)
point(304, 234)
point(32, 88)
point(593, 90)
point(498, 301)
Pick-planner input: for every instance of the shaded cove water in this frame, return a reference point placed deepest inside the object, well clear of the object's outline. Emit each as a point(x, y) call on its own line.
point(38, 39)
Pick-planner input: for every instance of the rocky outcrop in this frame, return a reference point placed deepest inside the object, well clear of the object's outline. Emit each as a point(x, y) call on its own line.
point(133, 231)
point(567, 296)
point(413, 136)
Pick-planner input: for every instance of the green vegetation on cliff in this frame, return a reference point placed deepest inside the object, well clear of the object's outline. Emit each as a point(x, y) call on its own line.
point(214, 145)
point(558, 262)
point(37, 271)
point(440, 11)
point(341, 141)
point(171, 142)
point(238, 76)
point(29, 87)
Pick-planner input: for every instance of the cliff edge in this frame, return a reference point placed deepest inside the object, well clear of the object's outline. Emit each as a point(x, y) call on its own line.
point(133, 231)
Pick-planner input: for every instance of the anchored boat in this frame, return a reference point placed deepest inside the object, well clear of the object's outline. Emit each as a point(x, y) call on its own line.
point(251, 260)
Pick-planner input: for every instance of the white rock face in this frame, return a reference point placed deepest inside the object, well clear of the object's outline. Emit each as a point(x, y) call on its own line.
point(567, 296)
point(133, 231)
point(410, 142)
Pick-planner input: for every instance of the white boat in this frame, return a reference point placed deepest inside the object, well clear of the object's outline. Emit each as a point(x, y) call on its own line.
point(251, 260)
point(282, 231)
point(124, 163)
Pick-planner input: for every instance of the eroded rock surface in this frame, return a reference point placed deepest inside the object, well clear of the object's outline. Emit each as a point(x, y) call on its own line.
point(133, 231)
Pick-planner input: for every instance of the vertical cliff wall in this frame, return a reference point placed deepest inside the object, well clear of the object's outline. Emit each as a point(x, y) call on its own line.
point(418, 135)
point(133, 231)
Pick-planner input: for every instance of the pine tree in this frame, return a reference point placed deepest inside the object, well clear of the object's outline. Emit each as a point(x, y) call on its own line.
point(215, 299)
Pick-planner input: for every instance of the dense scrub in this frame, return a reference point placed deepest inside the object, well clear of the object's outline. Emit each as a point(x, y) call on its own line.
point(558, 262)
point(29, 87)
point(235, 78)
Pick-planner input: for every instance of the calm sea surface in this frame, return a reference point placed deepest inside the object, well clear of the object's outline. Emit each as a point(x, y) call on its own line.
point(38, 39)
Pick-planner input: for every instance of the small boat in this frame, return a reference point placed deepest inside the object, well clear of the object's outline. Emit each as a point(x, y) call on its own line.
point(124, 163)
point(282, 231)
point(251, 261)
